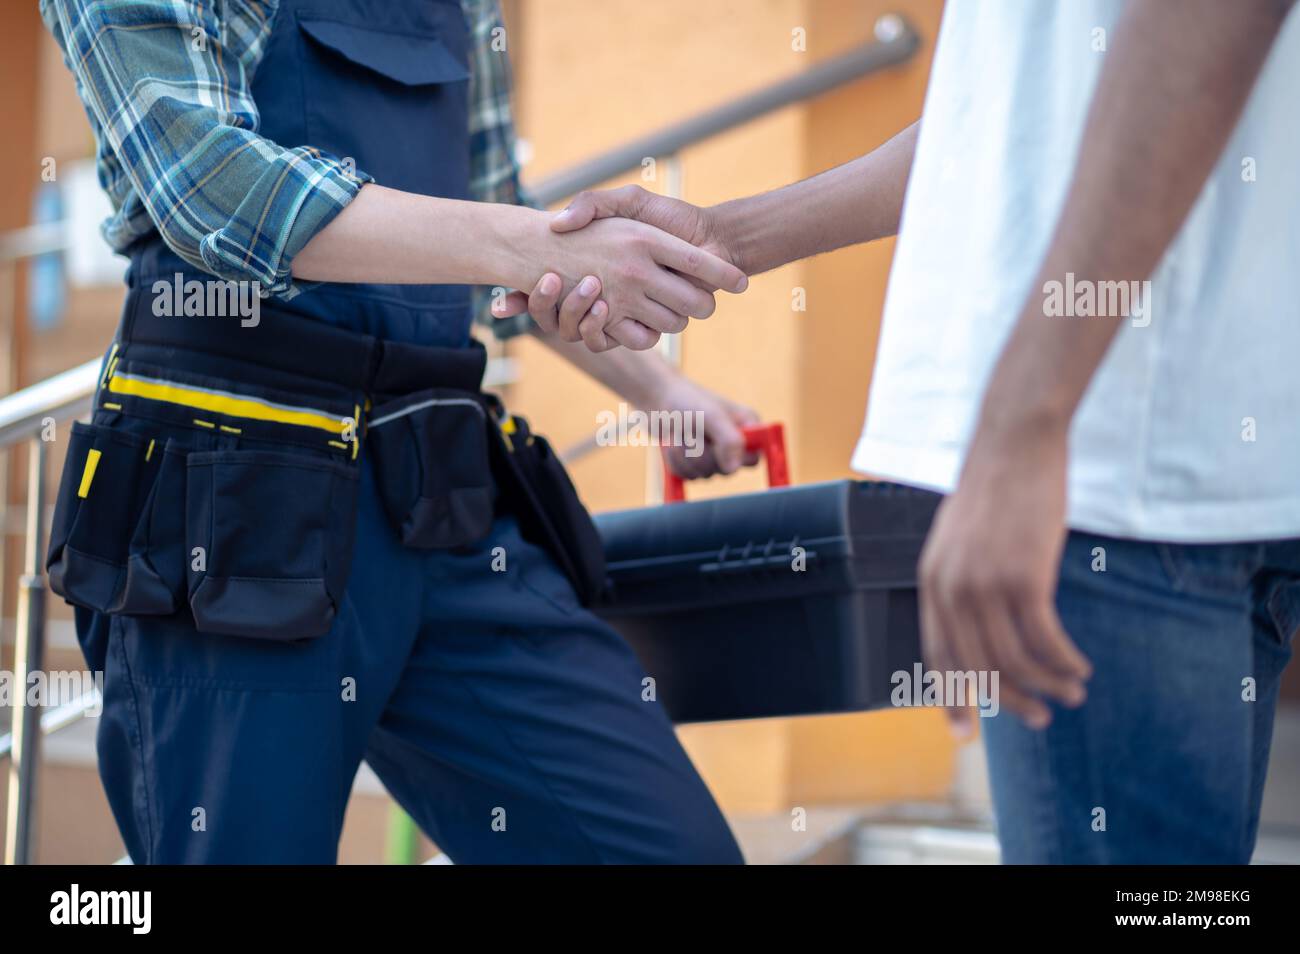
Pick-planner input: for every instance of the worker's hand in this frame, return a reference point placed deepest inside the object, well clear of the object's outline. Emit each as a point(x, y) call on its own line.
point(723, 450)
point(988, 575)
point(599, 328)
point(545, 306)
point(653, 282)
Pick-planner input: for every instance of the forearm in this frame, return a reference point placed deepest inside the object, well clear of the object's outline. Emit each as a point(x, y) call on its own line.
point(636, 376)
point(391, 237)
point(1175, 81)
point(857, 202)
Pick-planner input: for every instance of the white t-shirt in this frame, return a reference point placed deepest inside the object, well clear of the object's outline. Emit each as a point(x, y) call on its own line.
point(1190, 430)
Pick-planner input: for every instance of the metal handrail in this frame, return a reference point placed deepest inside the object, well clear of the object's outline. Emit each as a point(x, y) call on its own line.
point(895, 42)
point(24, 413)
point(59, 717)
point(67, 394)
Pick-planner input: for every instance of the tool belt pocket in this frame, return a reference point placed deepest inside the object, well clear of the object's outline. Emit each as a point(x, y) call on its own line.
point(155, 561)
point(268, 541)
point(108, 476)
point(431, 456)
point(540, 493)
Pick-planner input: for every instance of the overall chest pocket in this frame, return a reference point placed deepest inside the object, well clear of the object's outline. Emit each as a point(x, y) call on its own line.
point(394, 101)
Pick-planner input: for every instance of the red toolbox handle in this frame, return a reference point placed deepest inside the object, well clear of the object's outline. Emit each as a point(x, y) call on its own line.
point(766, 439)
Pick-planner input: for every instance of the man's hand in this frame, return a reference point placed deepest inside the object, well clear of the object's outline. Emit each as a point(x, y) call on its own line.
point(988, 574)
point(688, 222)
point(724, 445)
point(595, 325)
point(653, 282)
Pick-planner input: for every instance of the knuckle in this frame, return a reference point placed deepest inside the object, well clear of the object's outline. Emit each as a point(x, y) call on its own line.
point(730, 445)
point(1016, 668)
point(1017, 585)
point(961, 587)
point(576, 305)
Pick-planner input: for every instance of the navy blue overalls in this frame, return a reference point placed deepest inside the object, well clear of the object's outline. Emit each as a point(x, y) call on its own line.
point(266, 613)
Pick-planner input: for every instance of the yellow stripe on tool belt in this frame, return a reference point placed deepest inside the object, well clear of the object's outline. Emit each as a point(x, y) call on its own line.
point(88, 473)
point(223, 402)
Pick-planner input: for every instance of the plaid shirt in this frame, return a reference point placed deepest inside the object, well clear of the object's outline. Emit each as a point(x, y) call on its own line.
point(166, 86)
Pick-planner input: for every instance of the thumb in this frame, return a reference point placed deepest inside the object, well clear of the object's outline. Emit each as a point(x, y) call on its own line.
point(728, 442)
point(515, 303)
point(595, 205)
point(575, 215)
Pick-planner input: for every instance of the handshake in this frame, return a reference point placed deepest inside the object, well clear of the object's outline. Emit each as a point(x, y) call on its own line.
point(650, 262)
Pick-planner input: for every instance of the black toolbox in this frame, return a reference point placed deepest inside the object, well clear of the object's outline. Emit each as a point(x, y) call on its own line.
point(792, 601)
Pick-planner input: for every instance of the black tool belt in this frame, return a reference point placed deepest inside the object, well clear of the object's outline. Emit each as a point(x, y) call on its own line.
point(218, 476)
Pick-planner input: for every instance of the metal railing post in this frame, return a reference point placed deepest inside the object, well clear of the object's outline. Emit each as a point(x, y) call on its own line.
point(29, 653)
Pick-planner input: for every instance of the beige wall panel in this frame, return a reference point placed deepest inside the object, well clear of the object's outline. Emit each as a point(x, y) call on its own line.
point(745, 764)
point(874, 757)
point(601, 73)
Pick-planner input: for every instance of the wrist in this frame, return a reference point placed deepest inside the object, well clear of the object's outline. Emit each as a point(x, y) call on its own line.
point(516, 246)
point(1014, 423)
point(726, 229)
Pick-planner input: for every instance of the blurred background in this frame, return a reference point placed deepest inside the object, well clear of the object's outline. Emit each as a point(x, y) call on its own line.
point(798, 347)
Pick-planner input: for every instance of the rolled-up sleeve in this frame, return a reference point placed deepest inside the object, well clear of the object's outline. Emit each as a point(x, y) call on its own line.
point(166, 86)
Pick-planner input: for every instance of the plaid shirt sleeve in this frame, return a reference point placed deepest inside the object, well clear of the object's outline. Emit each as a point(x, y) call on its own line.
point(494, 170)
point(166, 86)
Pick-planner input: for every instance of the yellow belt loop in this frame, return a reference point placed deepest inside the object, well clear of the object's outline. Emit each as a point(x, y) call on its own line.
point(109, 364)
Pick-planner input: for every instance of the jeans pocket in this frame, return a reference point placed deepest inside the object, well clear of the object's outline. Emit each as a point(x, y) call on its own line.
point(268, 536)
point(108, 476)
point(1209, 570)
point(1282, 601)
point(431, 456)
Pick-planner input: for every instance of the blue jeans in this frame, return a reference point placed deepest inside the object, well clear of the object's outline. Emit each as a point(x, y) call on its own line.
point(1165, 762)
